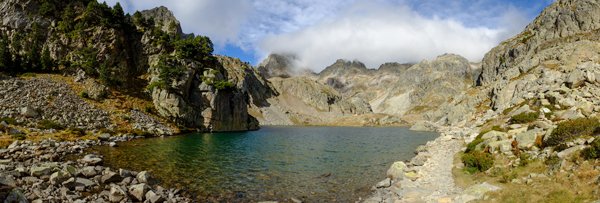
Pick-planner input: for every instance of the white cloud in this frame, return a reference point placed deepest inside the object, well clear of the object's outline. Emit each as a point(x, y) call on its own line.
point(375, 33)
point(221, 20)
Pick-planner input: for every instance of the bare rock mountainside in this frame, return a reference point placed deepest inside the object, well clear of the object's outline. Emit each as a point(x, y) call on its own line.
point(353, 94)
point(144, 55)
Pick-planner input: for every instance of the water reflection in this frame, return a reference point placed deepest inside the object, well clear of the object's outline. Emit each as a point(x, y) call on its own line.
point(275, 163)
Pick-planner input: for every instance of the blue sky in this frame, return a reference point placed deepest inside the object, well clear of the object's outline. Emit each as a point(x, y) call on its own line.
point(319, 32)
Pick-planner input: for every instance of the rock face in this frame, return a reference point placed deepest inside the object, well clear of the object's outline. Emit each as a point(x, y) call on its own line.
point(97, 42)
point(559, 48)
point(277, 66)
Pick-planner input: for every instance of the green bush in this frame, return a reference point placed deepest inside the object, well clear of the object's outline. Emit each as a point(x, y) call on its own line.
point(471, 146)
point(524, 118)
point(223, 85)
point(592, 152)
point(9, 120)
point(572, 129)
point(84, 94)
point(477, 161)
point(48, 124)
point(19, 136)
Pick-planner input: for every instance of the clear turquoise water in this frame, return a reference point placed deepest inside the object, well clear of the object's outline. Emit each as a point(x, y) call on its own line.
point(313, 164)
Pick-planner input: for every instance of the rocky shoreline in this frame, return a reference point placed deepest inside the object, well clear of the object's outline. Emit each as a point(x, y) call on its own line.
point(39, 172)
point(427, 177)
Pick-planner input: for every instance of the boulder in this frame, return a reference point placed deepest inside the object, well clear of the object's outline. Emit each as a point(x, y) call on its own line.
point(571, 114)
point(91, 159)
point(568, 152)
point(494, 136)
point(73, 183)
point(144, 177)
point(396, 171)
point(116, 194)
point(527, 139)
point(138, 191)
point(44, 169)
point(503, 146)
point(89, 171)
point(125, 173)
point(7, 181)
point(29, 112)
point(384, 183)
point(104, 137)
point(16, 196)
point(59, 177)
point(153, 197)
point(110, 177)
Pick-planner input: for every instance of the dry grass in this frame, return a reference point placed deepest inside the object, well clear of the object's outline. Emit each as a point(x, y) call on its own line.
point(561, 187)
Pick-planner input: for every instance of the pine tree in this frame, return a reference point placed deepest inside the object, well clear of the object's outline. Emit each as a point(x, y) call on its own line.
point(46, 61)
point(5, 57)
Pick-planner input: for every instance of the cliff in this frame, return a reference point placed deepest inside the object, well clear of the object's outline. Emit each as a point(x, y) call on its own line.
point(144, 55)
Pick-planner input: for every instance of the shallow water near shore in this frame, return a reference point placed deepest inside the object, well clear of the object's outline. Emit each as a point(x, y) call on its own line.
point(313, 164)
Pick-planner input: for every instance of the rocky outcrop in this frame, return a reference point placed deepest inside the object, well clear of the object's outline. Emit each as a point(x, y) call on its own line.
point(194, 100)
point(277, 65)
point(559, 48)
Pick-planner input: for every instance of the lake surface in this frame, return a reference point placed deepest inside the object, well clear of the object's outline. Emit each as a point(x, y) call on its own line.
point(313, 164)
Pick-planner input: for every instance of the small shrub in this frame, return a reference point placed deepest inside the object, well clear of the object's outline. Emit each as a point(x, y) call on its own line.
point(592, 152)
point(525, 159)
point(223, 85)
point(471, 146)
point(48, 124)
point(477, 161)
point(560, 147)
point(10, 121)
point(76, 131)
point(149, 108)
point(572, 129)
point(498, 128)
point(524, 118)
point(507, 177)
point(19, 136)
point(84, 94)
point(552, 161)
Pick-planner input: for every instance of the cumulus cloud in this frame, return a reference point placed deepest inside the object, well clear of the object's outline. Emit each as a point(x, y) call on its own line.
point(375, 33)
point(221, 20)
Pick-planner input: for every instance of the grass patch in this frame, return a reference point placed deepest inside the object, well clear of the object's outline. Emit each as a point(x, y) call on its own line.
point(10, 121)
point(572, 129)
point(526, 117)
point(48, 124)
point(19, 136)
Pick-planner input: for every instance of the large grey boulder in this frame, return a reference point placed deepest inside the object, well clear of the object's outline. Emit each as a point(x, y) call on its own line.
point(396, 171)
point(138, 191)
point(59, 177)
point(116, 194)
point(29, 112)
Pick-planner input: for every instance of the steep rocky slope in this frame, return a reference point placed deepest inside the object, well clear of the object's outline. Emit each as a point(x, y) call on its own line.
point(145, 55)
